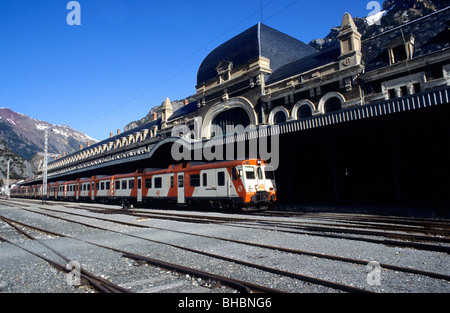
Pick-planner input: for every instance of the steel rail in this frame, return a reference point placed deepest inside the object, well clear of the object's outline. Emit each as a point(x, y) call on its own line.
point(98, 282)
point(334, 228)
point(389, 242)
point(239, 285)
point(293, 251)
point(301, 277)
point(276, 223)
point(106, 286)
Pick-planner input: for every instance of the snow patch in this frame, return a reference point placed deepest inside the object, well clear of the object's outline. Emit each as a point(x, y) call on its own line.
point(60, 132)
point(373, 19)
point(11, 121)
point(41, 126)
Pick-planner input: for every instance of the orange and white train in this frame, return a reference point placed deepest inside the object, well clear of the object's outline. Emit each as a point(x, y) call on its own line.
point(225, 184)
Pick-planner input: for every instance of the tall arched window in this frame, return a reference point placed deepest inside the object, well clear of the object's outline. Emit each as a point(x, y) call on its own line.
point(236, 111)
point(232, 117)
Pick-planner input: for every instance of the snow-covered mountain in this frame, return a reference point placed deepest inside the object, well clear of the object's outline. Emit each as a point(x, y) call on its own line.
point(24, 135)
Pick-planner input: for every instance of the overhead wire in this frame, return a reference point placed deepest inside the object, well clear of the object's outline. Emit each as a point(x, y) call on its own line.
point(122, 100)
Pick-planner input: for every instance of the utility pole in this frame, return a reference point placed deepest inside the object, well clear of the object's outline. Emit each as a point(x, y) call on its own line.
point(44, 181)
point(7, 180)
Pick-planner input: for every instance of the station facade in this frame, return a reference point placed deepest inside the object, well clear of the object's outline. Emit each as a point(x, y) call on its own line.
point(343, 138)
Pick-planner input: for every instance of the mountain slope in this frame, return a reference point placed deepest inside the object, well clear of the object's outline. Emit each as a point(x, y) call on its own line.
point(25, 136)
point(19, 168)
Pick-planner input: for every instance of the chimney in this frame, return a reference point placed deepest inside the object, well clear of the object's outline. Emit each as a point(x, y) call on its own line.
point(110, 134)
point(186, 102)
point(118, 132)
point(88, 143)
point(64, 154)
point(154, 116)
point(81, 147)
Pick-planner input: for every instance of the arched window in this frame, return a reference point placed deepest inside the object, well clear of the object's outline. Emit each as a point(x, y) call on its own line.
point(232, 117)
point(332, 104)
point(304, 111)
point(332, 101)
point(278, 115)
point(223, 114)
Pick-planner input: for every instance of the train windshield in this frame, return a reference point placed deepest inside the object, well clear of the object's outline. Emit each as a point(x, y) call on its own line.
point(249, 172)
point(269, 173)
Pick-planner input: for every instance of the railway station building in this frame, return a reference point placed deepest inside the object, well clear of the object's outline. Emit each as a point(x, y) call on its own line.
point(365, 121)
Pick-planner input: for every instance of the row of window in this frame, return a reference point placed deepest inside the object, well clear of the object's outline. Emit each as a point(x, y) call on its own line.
point(156, 182)
point(195, 180)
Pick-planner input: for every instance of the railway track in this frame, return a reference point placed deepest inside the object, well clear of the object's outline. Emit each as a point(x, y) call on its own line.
point(106, 286)
point(50, 212)
point(97, 282)
point(399, 236)
point(221, 279)
point(408, 240)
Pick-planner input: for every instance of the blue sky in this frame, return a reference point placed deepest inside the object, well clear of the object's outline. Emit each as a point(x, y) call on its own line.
point(128, 55)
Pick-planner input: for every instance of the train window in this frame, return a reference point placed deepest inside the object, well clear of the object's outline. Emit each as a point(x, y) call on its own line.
point(117, 185)
point(131, 184)
point(139, 183)
point(124, 184)
point(158, 182)
point(171, 181)
point(259, 172)
point(205, 179)
point(108, 185)
point(234, 173)
point(194, 180)
point(88, 186)
point(249, 172)
point(102, 185)
point(269, 173)
point(97, 186)
point(221, 178)
point(148, 183)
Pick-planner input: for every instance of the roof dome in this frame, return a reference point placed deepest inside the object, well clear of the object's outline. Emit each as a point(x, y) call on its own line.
point(259, 40)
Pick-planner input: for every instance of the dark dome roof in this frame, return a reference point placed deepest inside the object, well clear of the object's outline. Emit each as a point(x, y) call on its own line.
point(259, 40)
point(305, 64)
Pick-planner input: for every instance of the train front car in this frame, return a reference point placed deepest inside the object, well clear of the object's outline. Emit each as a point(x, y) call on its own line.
point(255, 184)
point(245, 184)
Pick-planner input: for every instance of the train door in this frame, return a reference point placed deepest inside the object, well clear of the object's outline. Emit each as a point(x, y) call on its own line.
point(260, 186)
point(222, 183)
point(139, 189)
point(209, 183)
point(180, 188)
